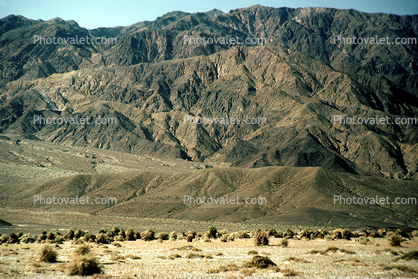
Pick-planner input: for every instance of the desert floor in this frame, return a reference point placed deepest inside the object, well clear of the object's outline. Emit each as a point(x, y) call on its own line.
point(151, 259)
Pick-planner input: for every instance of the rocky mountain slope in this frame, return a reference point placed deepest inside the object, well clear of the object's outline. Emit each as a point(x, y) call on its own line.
point(150, 80)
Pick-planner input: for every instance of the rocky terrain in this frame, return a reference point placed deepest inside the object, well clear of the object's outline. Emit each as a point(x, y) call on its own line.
point(150, 79)
point(148, 156)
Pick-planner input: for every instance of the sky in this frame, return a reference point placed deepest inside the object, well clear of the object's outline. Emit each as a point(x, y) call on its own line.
point(110, 13)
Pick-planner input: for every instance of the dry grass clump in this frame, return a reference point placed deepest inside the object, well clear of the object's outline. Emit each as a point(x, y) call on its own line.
point(224, 268)
point(252, 252)
point(48, 254)
point(190, 236)
point(288, 272)
point(262, 262)
point(403, 268)
point(102, 239)
point(82, 250)
point(163, 236)
point(130, 235)
point(364, 240)
point(148, 235)
point(248, 271)
point(27, 238)
point(261, 239)
point(241, 235)
point(212, 233)
point(288, 234)
point(4, 238)
point(342, 234)
point(69, 235)
point(395, 240)
point(85, 265)
point(413, 255)
point(13, 238)
point(173, 235)
point(414, 233)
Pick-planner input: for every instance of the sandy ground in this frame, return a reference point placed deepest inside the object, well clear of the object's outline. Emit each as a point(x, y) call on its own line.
point(141, 259)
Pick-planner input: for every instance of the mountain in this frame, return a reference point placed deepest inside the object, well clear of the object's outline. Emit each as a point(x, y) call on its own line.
point(149, 80)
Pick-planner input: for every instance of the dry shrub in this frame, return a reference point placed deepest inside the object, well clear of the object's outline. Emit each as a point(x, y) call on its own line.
point(4, 238)
point(173, 235)
point(261, 239)
point(190, 236)
point(130, 235)
point(262, 262)
point(242, 234)
point(116, 230)
point(69, 235)
point(163, 236)
point(84, 265)
point(13, 238)
point(102, 239)
point(395, 240)
point(288, 234)
point(79, 233)
point(148, 235)
point(82, 250)
point(212, 232)
point(50, 236)
point(48, 254)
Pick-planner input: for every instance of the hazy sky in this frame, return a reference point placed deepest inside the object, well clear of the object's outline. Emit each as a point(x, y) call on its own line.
point(110, 13)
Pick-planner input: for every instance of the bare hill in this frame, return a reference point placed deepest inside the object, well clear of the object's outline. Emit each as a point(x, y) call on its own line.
point(296, 196)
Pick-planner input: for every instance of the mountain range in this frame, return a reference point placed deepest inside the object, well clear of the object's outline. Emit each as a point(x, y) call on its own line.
point(294, 74)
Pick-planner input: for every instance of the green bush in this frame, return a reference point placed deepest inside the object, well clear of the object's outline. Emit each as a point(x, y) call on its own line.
point(284, 242)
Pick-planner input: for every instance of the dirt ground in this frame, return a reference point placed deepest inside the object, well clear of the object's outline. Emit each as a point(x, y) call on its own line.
point(169, 259)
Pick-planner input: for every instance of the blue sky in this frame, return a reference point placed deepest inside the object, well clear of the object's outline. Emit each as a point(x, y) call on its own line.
point(110, 13)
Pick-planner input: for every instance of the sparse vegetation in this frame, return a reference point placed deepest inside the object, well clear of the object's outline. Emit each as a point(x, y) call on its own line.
point(413, 255)
point(48, 254)
point(84, 265)
point(284, 242)
point(262, 262)
point(395, 240)
point(261, 239)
